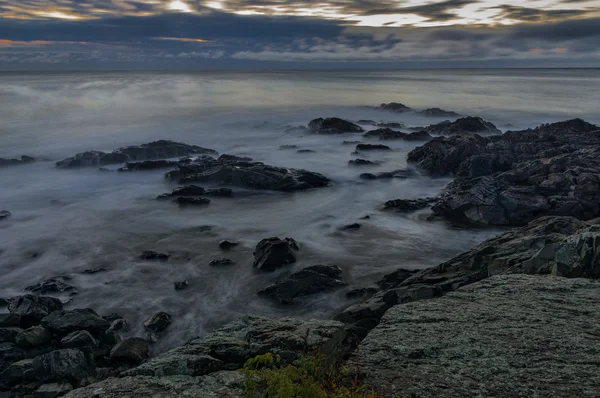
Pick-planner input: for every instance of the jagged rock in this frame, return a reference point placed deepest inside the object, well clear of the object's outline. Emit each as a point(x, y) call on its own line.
point(158, 322)
point(148, 165)
point(80, 338)
point(230, 346)
point(31, 309)
point(407, 205)
point(52, 390)
point(310, 280)
point(14, 162)
point(372, 147)
point(333, 125)
point(362, 162)
point(272, 253)
point(221, 262)
point(4, 214)
point(133, 349)
point(152, 255)
point(465, 125)
point(52, 285)
point(350, 227)
point(503, 336)
point(8, 334)
point(190, 201)
point(33, 337)
point(225, 384)
point(395, 107)
point(226, 244)
point(71, 365)
point(181, 285)
point(162, 149)
point(65, 322)
point(386, 134)
point(437, 112)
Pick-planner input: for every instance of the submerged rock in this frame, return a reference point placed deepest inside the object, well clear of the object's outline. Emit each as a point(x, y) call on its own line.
point(152, 255)
point(181, 285)
point(273, 253)
point(437, 112)
point(350, 227)
point(333, 125)
point(4, 214)
point(221, 262)
point(52, 285)
point(158, 322)
point(372, 147)
point(14, 162)
point(465, 125)
point(284, 147)
point(395, 107)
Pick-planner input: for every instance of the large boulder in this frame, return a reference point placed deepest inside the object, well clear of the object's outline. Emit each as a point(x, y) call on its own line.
point(272, 253)
point(309, 280)
point(333, 125)
point(163, 149)
point(465, 125)
point(30, 309)
point(33, 337)
point(65, 322)
point(70, 365)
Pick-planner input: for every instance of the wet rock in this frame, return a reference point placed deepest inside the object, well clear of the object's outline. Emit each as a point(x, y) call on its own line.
point(349, 227)
point(396, 278)
point(52, 285)
point(437, 112)
point(466, 125)
point(30, 309)
point(372, 147)
point(362, 292)
point(33, 337)
point(65, 322)
point(4, 214)
point(351, 142)
point(219, 192)
point(52, 390)
point(310, 280)
point(189, 190)
point(80, 338)
point(71, 365)
point(233, 344)
point(395, 107)
point(226, 244)
point(333, 125)
point(190, 201)
point(366, 121)
point(8, 334)
point(221, 262)
point(368, 176)
point(133, 350)
point(273, 253)
point(285, 147)
point(407, 205)
point(362, 162)
point(181, 285)
point(162, 149)
point(15, 162)
point(158, 322)
point(152, 255)
point(386, 134)
point(148, 165)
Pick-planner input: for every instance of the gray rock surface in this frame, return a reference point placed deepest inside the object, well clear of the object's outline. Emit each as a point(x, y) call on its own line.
point(395, 107)
point(158, 322)
point(506, 336)
point(52, 390)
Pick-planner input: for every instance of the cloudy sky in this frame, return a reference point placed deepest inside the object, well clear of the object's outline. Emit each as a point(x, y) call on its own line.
point(183, 34)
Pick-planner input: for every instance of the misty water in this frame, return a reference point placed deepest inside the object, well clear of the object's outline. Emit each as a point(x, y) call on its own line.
point(66, 221)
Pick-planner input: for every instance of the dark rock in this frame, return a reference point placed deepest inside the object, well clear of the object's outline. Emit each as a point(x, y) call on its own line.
point(308, 281)
point(284, 147)
point(80, 338)
point(366, 121)
point(395, 107)
point(52, 285)
point(367, 217)
point(31, 309)
point(14, 162)
point(133, 349)
point(395, 278)
point(148, 165)
point(4, 214)
point(17, 372)
point(362, 292)
point(152, 255)
point(465, 125)
point(368, 176)
point(221, 262)
point(305, 151)
point(112, 317)
point(94, 271)
point(190, 201)
point(418, 136)
point(52, 390)
point(391, 125)
point(233, 158)
point(65, 322)
point(437, 112)
point(226, 244)
point(162, 149)
point(351, 142)
point(350, 227)
point(219, 192)
point(407, 205)
point(333, 125)
point(181, 285)
point(372, 147)
point(121, 324)
point(8, 334)
point(3, 302)
point(70, 364)
point(158, 322)
point(386, 134)
point(10, 320)
point(33, 337)
point(362, 162)
point(272, 253)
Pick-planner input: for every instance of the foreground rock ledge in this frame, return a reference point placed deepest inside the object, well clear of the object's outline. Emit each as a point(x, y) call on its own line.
point(506, 336)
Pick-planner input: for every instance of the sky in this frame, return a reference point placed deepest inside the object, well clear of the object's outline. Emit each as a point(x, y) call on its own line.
point(275, 34)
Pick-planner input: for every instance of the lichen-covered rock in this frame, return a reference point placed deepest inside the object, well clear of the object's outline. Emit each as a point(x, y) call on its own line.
point(230, 346)
point(33, 337)
point(71, 365)
point(65, 322)
point(31, 309)
point(273, 253)
point(333, 125)
point(510, 335)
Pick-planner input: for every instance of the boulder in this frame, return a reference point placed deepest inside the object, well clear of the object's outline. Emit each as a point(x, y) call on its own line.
point(361, 292)
point(386, 134)
point(70, 365)
point(81, 338)
point(33, 337)
point(181, 285)
point(191, 201)
point(152, 255)
point(372, 147)
point(333, 125)
point(8, 334)
point(407, 205)
point(362, 162)
point(221, 262)
point(437, 112)
point(52, 390)
point(272, 253)
point(133, 349)
point(52, 285)
point(15, 162)
point(65, 322)
point(17, 372)
point(465, 125)
point(227, 244)
point(10, 320)
point(158, 322)
point(309, 280)
point(30, 309)
point(4, 214)
point(395, 107)
point(233, 158)
point(120, 324)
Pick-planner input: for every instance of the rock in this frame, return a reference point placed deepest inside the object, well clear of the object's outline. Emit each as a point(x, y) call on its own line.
point(71, 365)
point(226, 244)
point(52, 390)
point(372, 147)
point(33, 337)
point(31, 309)
point(225, 384)
point(152, 255)
point(4, 214)
point(188, 190)
point(386, 134)
point(368, 176)
point(350, 227)
point(305, 151)
point(14, 162)
point(465, 125)
point(10, 320)
point(65, 322)
point(18, 372)
point(497, 338)
point(391, 125)
point(181, 285)
point(351, 142)
point(366, 121)
point(119, 325)
point(418, 136)
point(221, 262)
point(232, 345)
point(52, 285)
point(308, 281)
point(162, 149)
point(406, 205)
point(158, 322)
point(8, 334)
point(148, 165)
point(395, 107)
point(284, 147)
point(362, 162)
point(362, 292)
point(395, 279)
point(81, 338)
point(190, 201)
point(272, 253)
point(437, 112)
point(333, 125)
point(133, 349)
point(219, 192)
point(112, 317)
point(233, 158)
point(94, 271)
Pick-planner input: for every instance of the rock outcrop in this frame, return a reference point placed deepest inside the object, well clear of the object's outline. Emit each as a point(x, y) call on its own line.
point(395, 107)
point(333, 125)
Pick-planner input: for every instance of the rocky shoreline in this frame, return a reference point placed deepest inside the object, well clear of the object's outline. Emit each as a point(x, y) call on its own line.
point(412, 328)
